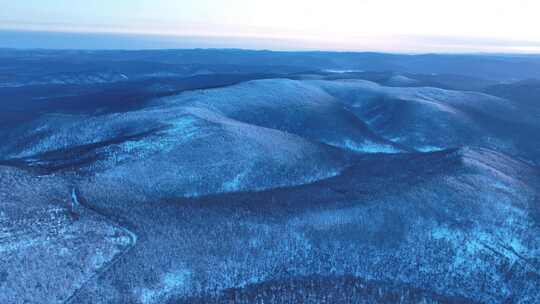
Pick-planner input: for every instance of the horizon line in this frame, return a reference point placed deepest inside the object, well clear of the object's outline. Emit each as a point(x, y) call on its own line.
point(207, 39)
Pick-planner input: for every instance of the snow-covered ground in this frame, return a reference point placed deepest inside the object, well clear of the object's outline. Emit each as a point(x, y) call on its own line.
point(267, 183)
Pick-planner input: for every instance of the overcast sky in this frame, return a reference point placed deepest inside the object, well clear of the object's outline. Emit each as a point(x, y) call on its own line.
point(363, 25)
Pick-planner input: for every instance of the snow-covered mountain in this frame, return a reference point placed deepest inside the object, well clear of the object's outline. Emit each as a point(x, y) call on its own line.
point(241, 181)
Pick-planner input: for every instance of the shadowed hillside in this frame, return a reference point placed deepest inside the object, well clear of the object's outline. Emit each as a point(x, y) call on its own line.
point(230, 176)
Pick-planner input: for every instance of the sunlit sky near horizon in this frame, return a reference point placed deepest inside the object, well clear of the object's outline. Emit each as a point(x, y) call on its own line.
point(360, 25)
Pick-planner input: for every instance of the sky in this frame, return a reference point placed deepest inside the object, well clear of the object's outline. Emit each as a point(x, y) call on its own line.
point(357, 25)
